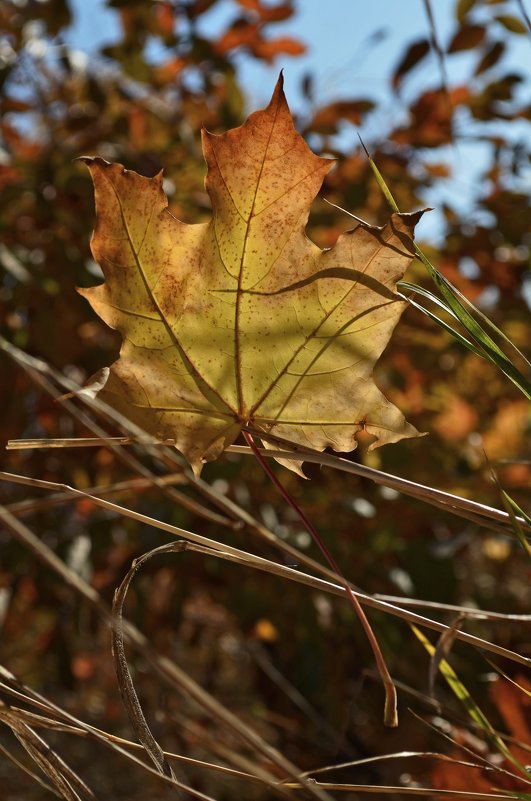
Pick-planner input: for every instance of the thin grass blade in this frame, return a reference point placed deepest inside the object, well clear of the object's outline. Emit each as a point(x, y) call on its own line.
point(464, 310)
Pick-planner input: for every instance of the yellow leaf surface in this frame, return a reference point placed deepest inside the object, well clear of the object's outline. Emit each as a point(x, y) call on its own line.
point(243, 320)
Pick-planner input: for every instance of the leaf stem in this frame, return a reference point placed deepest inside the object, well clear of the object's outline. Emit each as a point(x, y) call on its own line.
point(390, 709)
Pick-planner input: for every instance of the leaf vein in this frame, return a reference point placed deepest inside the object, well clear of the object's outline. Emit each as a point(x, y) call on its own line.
point(193, 368)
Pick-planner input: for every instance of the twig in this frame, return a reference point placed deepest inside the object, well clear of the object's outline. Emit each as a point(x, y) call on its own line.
point(164, 668)
point(524, 14)
point(38, 371)
point(289, 450)
point(212, 547)
point(32, 505)
point(434, 40)
point(82, 729)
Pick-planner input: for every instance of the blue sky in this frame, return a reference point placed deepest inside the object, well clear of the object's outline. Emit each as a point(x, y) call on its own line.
point(337, 34)
point(348, 62)
point(337, 39)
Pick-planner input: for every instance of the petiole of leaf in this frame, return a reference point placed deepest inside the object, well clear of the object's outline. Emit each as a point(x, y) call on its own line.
point(390, 709)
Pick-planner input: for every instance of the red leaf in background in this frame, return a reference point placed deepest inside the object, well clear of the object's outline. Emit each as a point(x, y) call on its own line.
point(466, 38)
point(413, 55)
point(457, 420)
point(243, 33)
point(83, 666)
point(431, 118)
point(85, 508)
point(9, 175)
point(137, 126)
point(515, 708)
point(490, 58)
point(168, 71)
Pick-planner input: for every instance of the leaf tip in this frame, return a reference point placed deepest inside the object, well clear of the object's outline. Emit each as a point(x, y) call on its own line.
point(279, 95)
point(364, 148)
point(197, 466)
point(85, 159)
point(412, 218)
point(92, 161)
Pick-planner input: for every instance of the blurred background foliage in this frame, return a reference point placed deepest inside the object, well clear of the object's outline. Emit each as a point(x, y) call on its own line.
point(142, 102)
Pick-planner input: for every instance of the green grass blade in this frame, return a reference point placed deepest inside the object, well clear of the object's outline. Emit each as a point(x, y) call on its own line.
point(519, 510)
point(473, 710)
point(426, 293)
point(460, 307)
point(446, 326)
point(490, 349)
point(493, 327)
point(511, 507)
point(381, 181)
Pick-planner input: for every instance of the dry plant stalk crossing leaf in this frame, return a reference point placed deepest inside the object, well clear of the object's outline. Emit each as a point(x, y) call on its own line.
point(243, 321)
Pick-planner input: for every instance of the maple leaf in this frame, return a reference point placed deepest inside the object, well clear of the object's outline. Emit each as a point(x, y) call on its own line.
point(243, 321)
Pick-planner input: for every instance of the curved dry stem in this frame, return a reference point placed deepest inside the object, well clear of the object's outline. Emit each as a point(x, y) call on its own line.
point(126, 683)
point(397, 755)
point(166, 670)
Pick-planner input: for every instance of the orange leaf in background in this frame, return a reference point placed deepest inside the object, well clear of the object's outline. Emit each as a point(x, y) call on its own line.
point(268, 13)
point(241, 32)
point(506, 433)
point(457, 420)
point(83, 666)
point(327, 118)
point(168, 71)
point(243, 321)
point(165, 16)
point(267, 49)
point(137, 126)
point(515, 708)
point(431, 118)
point(413, 56)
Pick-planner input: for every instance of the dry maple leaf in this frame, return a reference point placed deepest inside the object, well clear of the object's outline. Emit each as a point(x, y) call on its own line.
point(243, 321)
